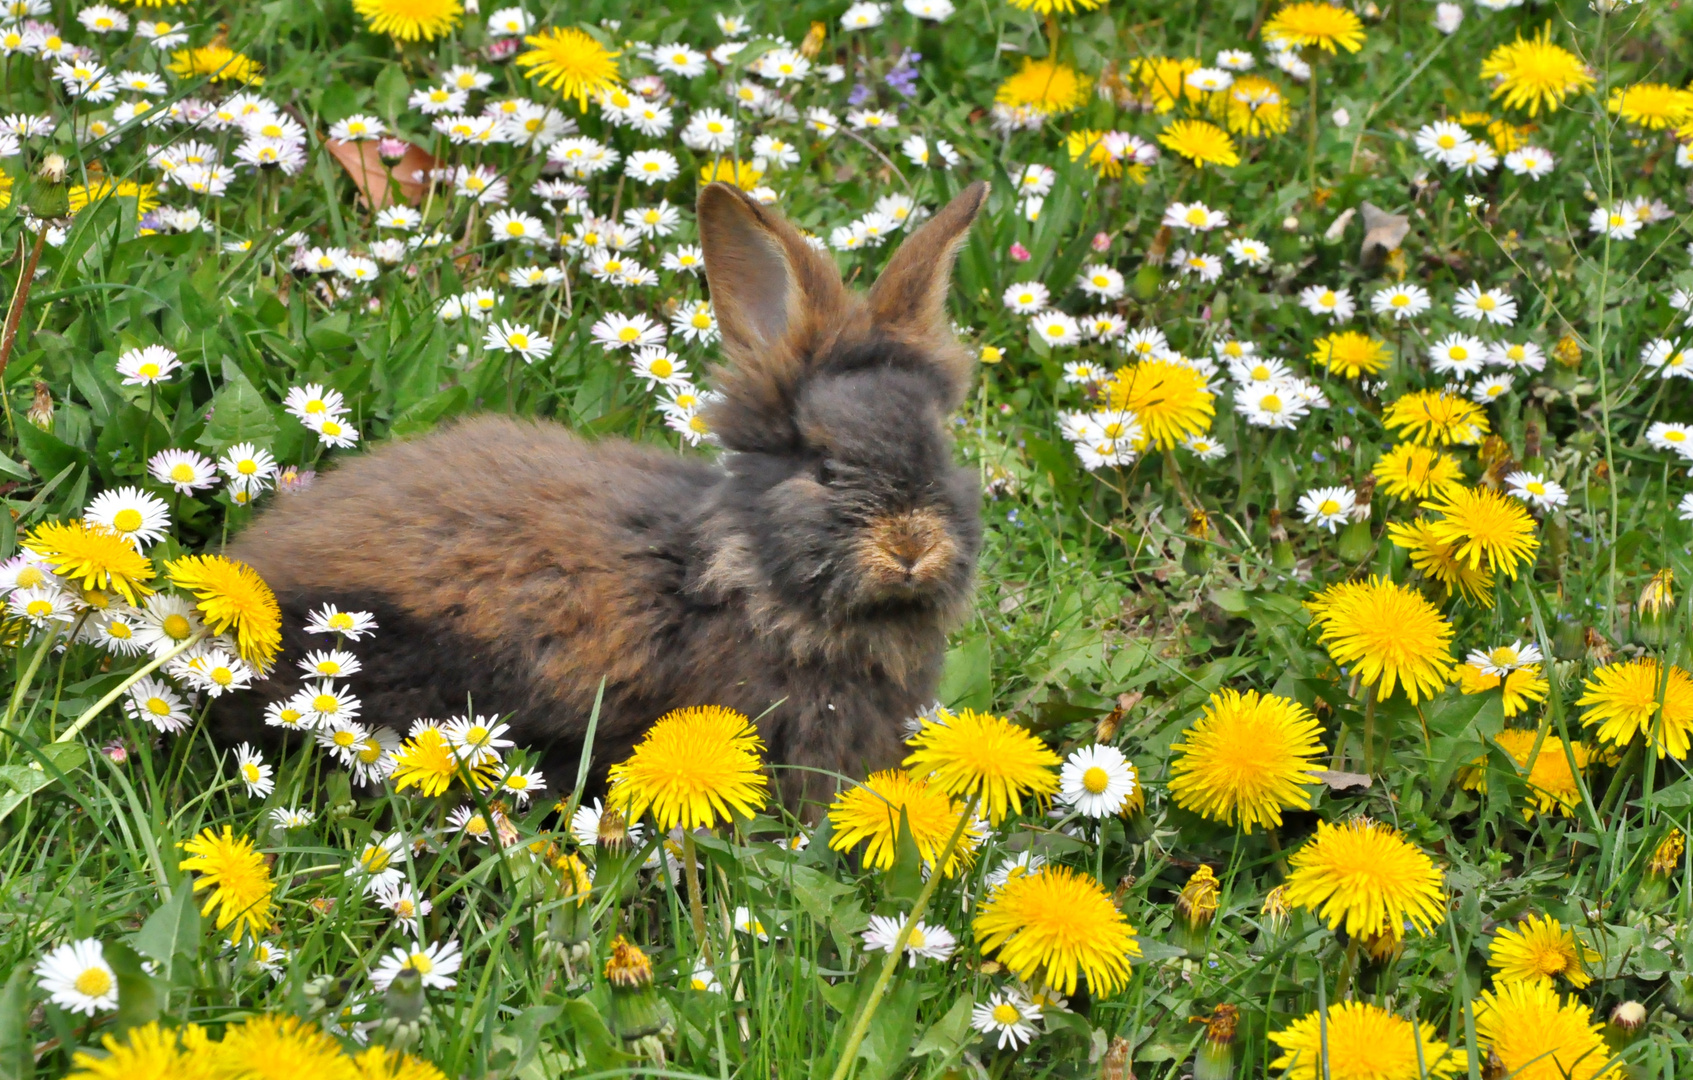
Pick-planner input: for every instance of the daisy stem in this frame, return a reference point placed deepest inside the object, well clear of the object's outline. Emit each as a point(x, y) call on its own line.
point(849, 1055)
point(29, 674)
point(1311, 149)
point(696, 906)
point(95, 709)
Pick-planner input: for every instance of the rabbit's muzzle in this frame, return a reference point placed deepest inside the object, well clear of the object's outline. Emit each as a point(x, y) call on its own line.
point(907, 552)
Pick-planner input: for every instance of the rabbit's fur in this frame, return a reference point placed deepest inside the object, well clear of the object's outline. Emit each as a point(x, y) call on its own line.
point(811, 576)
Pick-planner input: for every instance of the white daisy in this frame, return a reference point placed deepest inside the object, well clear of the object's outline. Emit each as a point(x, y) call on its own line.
point(330, 619)
point(329, 704)
point(1194, 217)
point(292, 817)
point(1526, 356)
point(1010, 1015)
point(1677, 437)
point(1403, 301)
point(1056, 328)
point(1494, 386)
point(1485, 305)
point(407, 906)
point(141, 518)
point(330, 664)
point(379, 862)
point(76, 977)
point(519, 338)
point(1096, 781)
point(248, 467)
point(154, 701)
point(1536, 489)
point(435, 962)
point(933, 942)
point(1501, 660)
point(1457, 354)
point(167, 620)
point(250, 767)
point(214, 671)
point(147, 366)
point(1668, 357)
point(1336, 304)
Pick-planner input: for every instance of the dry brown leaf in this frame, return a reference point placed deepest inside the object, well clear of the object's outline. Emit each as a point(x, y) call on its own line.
point(370, 173)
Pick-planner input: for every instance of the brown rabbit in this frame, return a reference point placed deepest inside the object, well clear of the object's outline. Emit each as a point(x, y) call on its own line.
point(811, 575)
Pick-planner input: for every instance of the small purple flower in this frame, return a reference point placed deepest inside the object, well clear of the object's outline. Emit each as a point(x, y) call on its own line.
point(859, 95)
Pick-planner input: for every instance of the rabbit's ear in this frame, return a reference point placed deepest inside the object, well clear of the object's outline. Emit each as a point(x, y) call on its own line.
point(909, 298)
point(775, 299)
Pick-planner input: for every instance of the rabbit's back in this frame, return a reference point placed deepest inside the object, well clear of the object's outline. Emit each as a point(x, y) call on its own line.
point(508, 562)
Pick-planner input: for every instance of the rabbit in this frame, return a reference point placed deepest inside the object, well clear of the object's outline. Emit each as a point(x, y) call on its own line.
point(808, 578)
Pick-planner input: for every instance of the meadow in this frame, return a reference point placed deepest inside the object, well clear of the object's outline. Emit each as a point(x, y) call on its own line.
point(1326, 704)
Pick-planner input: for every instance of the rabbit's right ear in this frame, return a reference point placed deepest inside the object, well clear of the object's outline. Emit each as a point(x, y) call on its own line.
point(775, 299)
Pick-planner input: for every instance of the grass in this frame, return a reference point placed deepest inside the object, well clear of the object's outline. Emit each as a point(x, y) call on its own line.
point(1112, 602)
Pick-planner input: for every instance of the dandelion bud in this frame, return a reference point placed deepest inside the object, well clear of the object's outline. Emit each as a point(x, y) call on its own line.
point(53, 168)
point(1275, 910)
point(41, 408)
point(1629, 1017)
point(1197, 906)
point(635, 1011)
point(1658, 596)
point(405, 1001)
point(813, 43)
point(1115, 1064)
point(572, 923)
point(1216, 1051)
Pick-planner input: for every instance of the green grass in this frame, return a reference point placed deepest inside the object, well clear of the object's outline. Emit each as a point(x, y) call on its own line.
point(1141, 589)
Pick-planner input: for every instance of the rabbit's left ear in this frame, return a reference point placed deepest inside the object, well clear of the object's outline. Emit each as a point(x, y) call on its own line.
point(908, 300)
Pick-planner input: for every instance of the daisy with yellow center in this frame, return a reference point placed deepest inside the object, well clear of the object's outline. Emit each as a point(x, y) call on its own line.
point(1363, 1042)
point(1056, 924)
point(239, 880)
point(572, 62)
point(1201, 143)
point(870, 813)
point(1044, 85)
point(1365, 877)
point(1409, 471)
point(980, 755)
point(1652, 106)
point(1540, 949)
point(219, 63)
point(1434, 417)
point(1313, 23)
point(1386, 634)
point(1623, 702)
point(232, 596)
point(1534, 1035)
point(1484, 526)
point(1246, 759)
point(1169, 399)
point(1091, 144)
point(92, 556)
point(1535, 73)
point(695, 767)
point(1350, 354)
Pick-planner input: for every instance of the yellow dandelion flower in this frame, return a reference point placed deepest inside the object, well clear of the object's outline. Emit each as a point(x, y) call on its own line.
point(1091, 143)
point(219, 63)
point(1060, 7)
point(869, 813)
point(571, 61)
point(1539, 949)
point(1364, 1042)
point(743, 174)
point(1387, 634)
point(694, 767)
point(410, 20)
point(1666, 857)
point(79, 196)
point(281, 1047)
point(1409, 471)
point(238, 877)
point(1522, 686)
point(1365, 876)
point(1535, 73)
point(1169, 399)
point(5, 190)
point(1200, 142)
point(1245, 759)
point(1350, 354)
point(93, 556)
point(1435, 417)
point(231, 594)
point(1551, 785)
point(972, 753)
point(1055, 924)
point(1624, 700)
point(1433, 558)
point(1253, 106)
point(380, 1063)
point(1315, 23)
point(1534, 1035)
point(150, 1052)
point(1163, 80)
point(1484, 526)
point(1046, 85)
point(1652, 106)
point(428, 762)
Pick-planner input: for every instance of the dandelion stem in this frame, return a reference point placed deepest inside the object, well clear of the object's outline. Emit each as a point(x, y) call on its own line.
point(696, 906)
point(99, 706)
point(849, 1055)
point(29, 674)
point(1370, 732)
